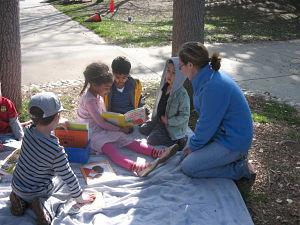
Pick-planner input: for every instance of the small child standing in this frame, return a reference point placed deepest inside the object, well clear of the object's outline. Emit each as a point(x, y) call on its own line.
point(171, 112)
point(104, 134)
point(42, 158)
point(126, 92)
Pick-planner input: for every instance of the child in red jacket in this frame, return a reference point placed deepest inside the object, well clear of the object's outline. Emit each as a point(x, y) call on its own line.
point(10, 126)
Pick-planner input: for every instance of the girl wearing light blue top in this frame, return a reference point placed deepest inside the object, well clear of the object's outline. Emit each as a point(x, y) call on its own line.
point(224, 131)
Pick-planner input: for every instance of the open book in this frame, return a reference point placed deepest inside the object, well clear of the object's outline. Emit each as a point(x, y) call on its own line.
point(96, 172)
point(7, 166)
point(131, 118)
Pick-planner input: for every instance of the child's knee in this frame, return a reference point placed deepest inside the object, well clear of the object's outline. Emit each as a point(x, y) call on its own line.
point(153, 140)
point(144, 129)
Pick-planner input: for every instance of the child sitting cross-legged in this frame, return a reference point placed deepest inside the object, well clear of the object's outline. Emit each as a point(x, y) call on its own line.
point(41, 160)
point(106, 137)
point(170, 117)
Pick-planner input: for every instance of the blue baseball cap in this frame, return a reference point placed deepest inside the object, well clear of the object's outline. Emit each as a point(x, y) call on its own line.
point(48, 102)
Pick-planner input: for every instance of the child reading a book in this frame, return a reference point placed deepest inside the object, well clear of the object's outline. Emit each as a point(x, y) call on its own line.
point(171, 112)
point(126, 92)
point(42, 158)
point(105, 136)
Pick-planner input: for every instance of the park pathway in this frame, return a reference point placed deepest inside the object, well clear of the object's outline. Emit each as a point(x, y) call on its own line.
point(56, 48)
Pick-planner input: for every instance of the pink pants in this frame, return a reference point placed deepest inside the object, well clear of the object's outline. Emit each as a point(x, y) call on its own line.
point(114, 154)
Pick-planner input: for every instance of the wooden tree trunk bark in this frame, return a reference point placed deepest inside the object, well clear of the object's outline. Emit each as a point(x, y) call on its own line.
point(10, 51)
point(188, 25)
point(188, 22)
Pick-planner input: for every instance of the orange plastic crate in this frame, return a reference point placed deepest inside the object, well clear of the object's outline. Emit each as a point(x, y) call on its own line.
point(72, 138)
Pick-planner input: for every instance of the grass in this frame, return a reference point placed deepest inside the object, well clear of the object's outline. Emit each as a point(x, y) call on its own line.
point(275, 111)
point(248, 25)
point(223, 23)
point(24, 115)
point(122, 32)
point(255, 196)
point(294, 135)
point(132, 34)
point(68, 102)
point(269, 112)
point(260, 118)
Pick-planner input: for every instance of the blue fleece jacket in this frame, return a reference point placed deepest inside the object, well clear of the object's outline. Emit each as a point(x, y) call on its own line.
point(224, 114)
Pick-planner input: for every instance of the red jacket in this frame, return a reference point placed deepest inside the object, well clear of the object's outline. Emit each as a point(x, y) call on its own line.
point(7, 111)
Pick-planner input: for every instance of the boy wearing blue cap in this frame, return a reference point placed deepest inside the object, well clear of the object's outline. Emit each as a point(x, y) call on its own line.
point(41, 159)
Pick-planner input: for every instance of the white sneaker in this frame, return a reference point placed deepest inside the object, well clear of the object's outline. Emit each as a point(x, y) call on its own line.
point(148, 169)
point(168, 153)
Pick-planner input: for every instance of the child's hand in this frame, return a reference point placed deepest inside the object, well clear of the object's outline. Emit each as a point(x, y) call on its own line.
point(63, 122)
point(164, 119)
point(86, 198)
point(187, 151)
point(26, 124)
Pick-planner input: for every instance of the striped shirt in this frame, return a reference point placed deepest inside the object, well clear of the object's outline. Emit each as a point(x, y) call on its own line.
point(40, 160)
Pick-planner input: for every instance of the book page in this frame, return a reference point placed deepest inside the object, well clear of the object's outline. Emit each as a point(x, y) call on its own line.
point(97, 172)
point(8, 165)
point(136, 116)
point(117, 119)
point(78, 126)
point(13, 145)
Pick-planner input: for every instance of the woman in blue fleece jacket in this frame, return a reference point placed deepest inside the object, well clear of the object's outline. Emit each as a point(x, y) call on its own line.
point(224, 131)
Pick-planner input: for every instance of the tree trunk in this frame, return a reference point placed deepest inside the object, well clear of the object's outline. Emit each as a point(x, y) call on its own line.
point(188, 22)
point(10, 51)
point(188, 25)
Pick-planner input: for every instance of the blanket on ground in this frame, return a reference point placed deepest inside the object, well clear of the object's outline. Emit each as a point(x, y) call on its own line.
point(166, 196)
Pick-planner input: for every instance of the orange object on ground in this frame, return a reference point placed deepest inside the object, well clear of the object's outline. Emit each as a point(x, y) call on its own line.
point(94, 18)
point(72, 138)
point(111, 6)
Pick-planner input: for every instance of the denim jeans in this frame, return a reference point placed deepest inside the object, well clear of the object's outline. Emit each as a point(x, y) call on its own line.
point(214, 160)
point(6, 138)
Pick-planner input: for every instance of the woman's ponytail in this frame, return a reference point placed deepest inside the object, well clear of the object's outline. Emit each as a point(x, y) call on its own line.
point(215, 61)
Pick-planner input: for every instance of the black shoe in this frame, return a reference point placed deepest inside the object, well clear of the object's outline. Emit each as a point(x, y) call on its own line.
point(18, 205)
point(42, 214)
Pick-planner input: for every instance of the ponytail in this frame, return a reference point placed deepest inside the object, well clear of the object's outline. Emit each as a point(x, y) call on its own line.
point(84, 87)
point(215, 61)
